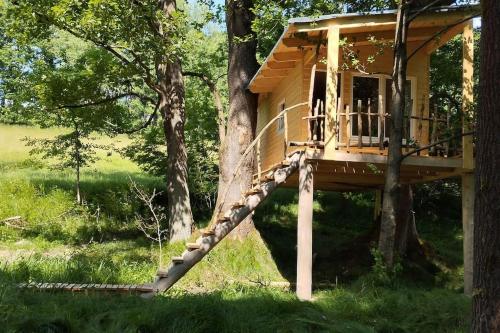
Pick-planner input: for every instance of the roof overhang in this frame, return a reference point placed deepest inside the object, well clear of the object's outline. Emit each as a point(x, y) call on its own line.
point(304, 34)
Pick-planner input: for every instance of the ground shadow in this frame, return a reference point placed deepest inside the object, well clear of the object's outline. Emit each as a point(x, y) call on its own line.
point(337, 221)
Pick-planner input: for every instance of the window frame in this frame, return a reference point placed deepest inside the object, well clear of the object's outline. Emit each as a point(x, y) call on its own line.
point(382, 104)
point(280, 123)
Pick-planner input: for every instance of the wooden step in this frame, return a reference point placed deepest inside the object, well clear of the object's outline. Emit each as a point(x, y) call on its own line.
point(161, 273)
point(222, 219)
point(177, 260)
point(207, 232)
point(238, 205)
point(253, 191)
point(192, 246)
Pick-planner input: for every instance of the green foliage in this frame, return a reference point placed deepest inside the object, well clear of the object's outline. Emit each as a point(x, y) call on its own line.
point(69, 149)
point(381, 274)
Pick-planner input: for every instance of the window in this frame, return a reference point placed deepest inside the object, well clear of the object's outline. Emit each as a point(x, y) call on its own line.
point(281, 120)
point(372, 93)
point(365, 94)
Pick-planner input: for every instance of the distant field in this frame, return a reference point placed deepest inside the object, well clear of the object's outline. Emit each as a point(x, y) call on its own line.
point(14, 150)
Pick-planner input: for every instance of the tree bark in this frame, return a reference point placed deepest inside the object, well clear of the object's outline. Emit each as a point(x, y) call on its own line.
point(172, 109)
point(486, 286)
point(392, 184)
point(242, 118)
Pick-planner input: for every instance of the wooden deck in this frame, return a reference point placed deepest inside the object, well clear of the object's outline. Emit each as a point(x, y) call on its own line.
point(360, 171)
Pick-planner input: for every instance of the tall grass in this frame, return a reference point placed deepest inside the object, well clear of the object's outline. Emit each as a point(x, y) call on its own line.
point(238, 310)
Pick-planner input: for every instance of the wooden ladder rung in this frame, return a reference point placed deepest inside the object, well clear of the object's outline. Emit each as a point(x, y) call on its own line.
point(253, 191)
point(237, 205)
point(193, 246)
point(207, 232)
point(267, 178)
point(222, 219)
point(162, 273)
point(177, 260)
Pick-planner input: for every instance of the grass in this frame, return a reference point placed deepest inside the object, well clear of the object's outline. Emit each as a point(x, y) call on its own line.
point(226, 292)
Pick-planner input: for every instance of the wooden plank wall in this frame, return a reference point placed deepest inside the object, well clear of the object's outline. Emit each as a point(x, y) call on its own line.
point(294, 89)
point(290, 89)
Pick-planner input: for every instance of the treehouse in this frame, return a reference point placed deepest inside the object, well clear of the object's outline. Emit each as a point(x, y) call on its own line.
point(325, 89)
point(324, 96)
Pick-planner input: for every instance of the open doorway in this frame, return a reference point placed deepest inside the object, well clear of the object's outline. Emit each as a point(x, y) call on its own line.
point(317, 125)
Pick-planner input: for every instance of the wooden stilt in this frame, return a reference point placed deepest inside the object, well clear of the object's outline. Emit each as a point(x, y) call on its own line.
point(468, 159)
point(304, 231)
point(468, 229)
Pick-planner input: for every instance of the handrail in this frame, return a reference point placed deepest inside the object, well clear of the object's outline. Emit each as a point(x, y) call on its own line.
point(247, 151)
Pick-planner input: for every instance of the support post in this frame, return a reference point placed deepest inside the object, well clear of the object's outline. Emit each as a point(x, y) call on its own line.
point(304, 231)
point(332, 68)
point(468, 157)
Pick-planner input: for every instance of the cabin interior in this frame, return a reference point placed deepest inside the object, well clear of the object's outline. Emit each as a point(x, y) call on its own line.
point(326, 89)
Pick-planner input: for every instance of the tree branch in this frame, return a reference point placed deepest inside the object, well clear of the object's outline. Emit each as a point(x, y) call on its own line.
point(136, 62)
point(106, 100)
point(143, 126)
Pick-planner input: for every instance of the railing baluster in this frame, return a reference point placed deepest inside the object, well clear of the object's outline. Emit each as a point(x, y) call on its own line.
point(381, 121)
point(434, 129)
point(407, 122)
point(337, 120)
point(348, 125)
point(369, 122)
point(259, 161)
point(321, 121)
point(447, 144)
point(315, 120)
point(360, 125)
point(285, 120)
point(420, 123)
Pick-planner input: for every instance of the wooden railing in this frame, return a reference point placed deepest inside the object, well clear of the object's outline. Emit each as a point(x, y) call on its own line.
point(255, 144)
point(367, 114)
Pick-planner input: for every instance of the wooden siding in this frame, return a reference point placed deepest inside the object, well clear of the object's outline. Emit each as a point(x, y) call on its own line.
point(294, 89)
point(289, 91)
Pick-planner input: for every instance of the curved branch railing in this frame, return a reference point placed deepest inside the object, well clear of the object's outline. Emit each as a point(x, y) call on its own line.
point(250, 147)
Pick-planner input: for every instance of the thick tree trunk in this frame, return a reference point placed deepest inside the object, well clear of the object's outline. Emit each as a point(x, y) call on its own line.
point(172, 110)
point(392, 184)
point(486, 281)
point(406, 239)
point(171, 86)
point(242, 116)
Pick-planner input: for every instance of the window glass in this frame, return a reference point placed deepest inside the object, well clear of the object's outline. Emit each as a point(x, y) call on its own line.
point(281, 120)
point(365, 93)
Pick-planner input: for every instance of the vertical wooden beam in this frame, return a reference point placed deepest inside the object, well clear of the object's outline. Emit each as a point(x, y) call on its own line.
point(304, 231)
point(467, 93)
point(468, 157)
point(332, 68)
point(468, 229)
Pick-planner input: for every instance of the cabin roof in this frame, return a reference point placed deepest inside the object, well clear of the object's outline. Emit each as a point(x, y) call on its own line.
point(304, 34)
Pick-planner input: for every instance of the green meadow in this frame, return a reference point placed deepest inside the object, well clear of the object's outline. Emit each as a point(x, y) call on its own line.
point(239, 287)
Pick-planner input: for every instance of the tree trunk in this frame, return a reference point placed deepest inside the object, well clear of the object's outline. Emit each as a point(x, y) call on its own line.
point(406, 239)
point(242, 117)
point(171, 86)
point(486, 280)
point(392, 184)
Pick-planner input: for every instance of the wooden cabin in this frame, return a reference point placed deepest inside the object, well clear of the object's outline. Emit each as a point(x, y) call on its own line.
point(326, 88)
